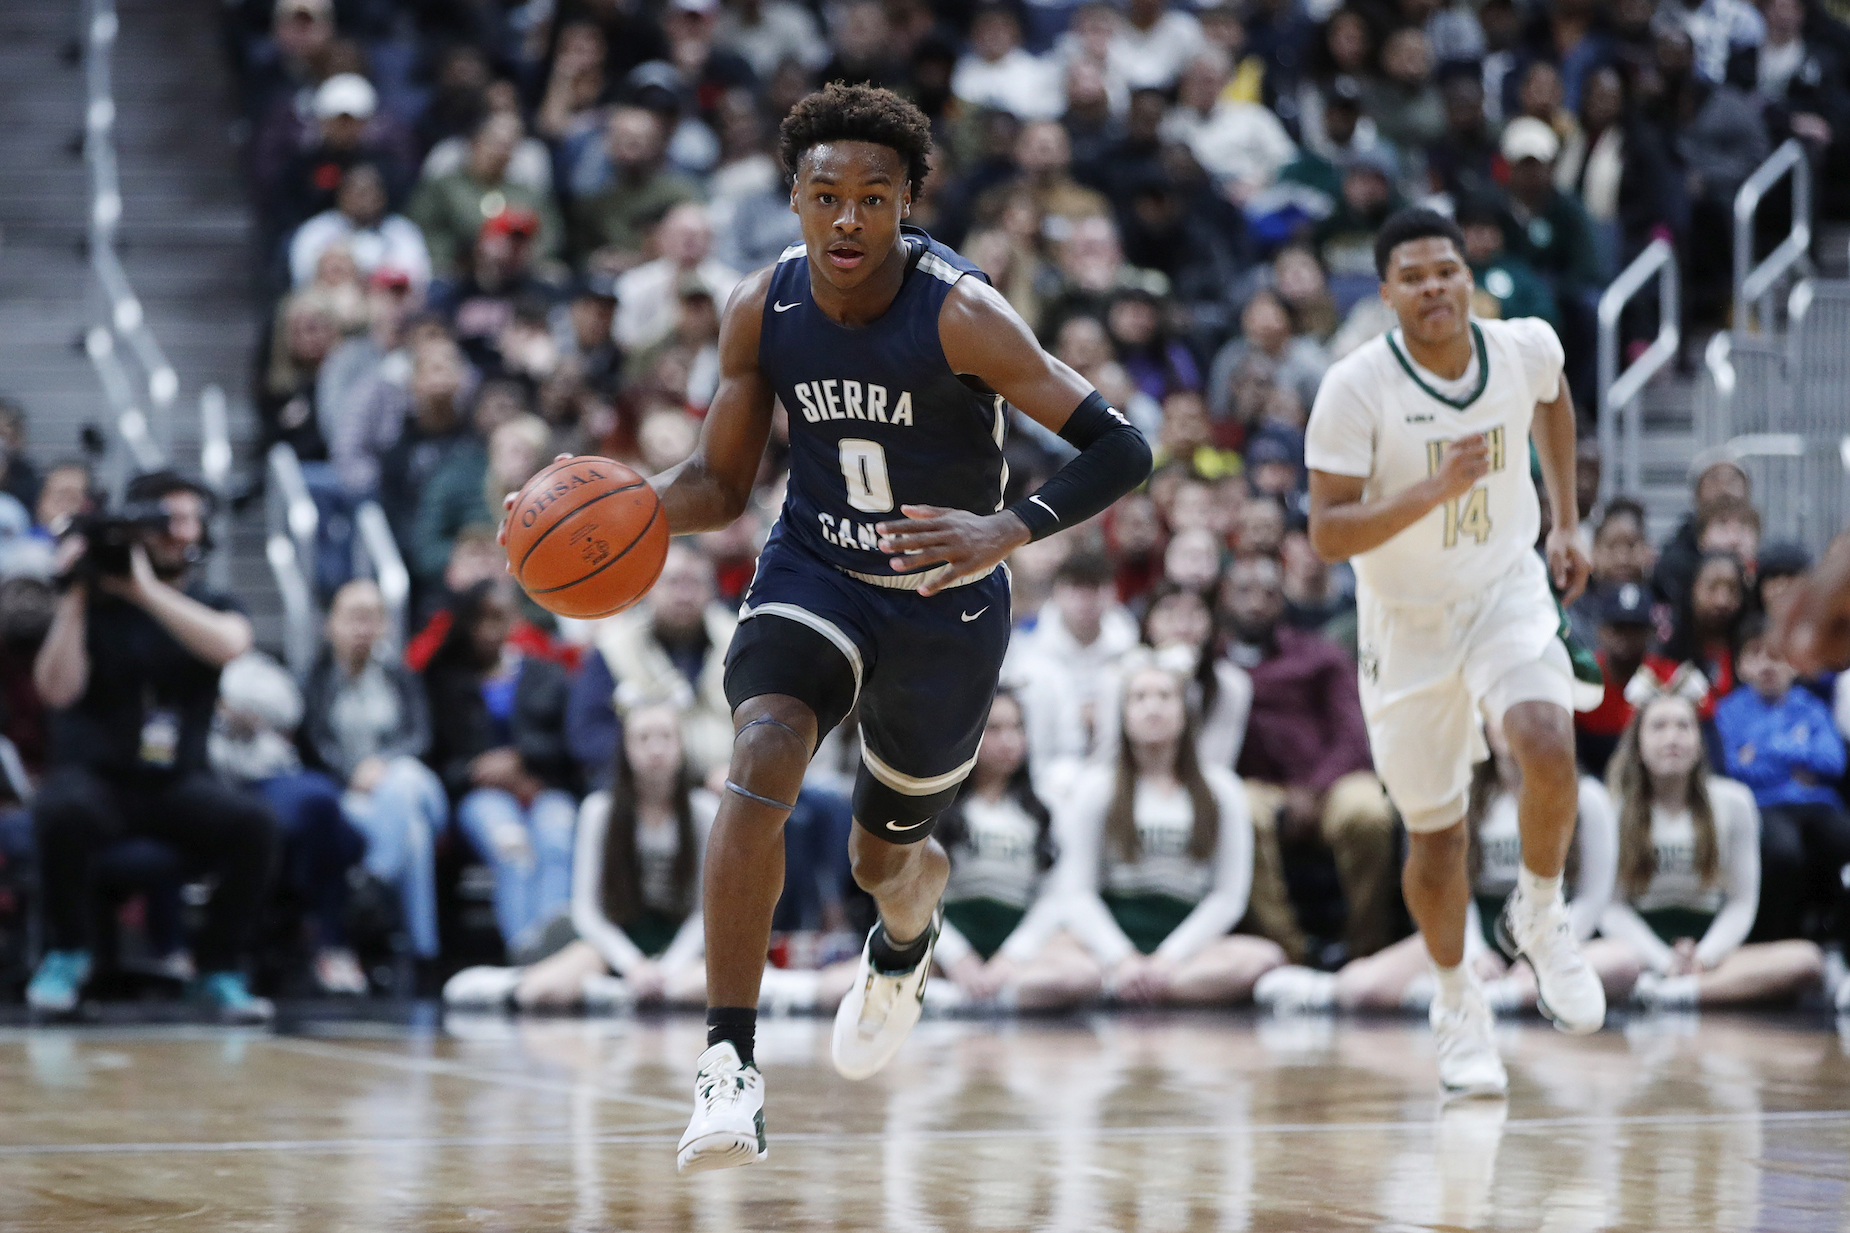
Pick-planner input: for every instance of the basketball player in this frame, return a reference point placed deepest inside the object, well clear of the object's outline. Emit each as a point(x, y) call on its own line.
point(1418, 448)
point(881, 585)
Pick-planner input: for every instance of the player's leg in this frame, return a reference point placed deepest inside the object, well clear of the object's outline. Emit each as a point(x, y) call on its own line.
point(906, 881)
point(1533, 700)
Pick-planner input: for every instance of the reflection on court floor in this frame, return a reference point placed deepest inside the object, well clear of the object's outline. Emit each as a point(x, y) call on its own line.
point(1117, 1122)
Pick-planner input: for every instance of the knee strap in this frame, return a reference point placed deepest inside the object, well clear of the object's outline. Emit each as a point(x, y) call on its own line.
point(775, 723)
point(749, 795)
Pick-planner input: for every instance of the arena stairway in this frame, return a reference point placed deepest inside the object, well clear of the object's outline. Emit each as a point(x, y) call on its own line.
point(184, 240)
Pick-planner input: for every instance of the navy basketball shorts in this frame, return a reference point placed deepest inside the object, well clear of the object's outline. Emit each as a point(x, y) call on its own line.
point(922, 671)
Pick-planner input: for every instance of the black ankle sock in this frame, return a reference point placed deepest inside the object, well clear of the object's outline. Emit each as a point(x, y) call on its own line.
point(891, 958)
point(738, 1024)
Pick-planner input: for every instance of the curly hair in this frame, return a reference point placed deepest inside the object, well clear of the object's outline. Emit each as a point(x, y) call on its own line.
point(858, 113)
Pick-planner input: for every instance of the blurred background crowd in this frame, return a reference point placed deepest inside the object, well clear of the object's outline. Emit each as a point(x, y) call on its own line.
point(490, 232)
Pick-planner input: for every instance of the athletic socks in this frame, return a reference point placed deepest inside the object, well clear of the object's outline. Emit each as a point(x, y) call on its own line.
point(738, 1024)
point(891, 959)
point(1536, 889)
point(1451, 984)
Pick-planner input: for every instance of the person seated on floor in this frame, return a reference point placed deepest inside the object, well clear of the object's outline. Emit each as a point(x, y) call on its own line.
point(1001, 941)
point(1156, 859)
point(1401, 975)
point(1780, 740)
point(366, 722)
point(1689, 873)
point(636, 909)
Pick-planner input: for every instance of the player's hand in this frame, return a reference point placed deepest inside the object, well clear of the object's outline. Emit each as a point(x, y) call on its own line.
point(1568, 564)
point(1465, 462)
point(968, 543)
point(1812, 632)
point(507, 507)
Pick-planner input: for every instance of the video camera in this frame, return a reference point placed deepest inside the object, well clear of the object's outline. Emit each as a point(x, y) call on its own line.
point(108, 536)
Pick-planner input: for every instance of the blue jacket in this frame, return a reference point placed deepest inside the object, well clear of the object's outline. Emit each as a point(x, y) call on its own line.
point(1766, 742)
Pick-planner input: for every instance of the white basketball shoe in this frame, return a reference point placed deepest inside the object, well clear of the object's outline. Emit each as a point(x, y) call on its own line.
point(1568, 990)
point(1468, 1061)
point(879, 1011)
point(728, 1124)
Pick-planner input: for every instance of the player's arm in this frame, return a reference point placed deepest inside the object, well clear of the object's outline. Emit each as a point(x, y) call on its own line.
point(711, 489)
point(1342, 525)
point(983, 337)
point(1555, 433)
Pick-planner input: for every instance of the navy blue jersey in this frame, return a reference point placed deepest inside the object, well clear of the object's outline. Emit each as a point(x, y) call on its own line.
point(877, 418)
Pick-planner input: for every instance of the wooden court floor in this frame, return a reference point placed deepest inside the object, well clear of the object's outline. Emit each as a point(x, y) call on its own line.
point(1109, 1123)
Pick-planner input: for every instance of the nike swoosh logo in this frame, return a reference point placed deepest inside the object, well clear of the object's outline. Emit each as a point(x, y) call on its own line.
point(1043, 505)
point(971, 616)
point(779, 307)
point(896, 827)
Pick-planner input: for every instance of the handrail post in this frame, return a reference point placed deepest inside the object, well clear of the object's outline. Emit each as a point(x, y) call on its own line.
point(296, 515)
point(1622, 443)
point(1753, 283)
point(388, 567)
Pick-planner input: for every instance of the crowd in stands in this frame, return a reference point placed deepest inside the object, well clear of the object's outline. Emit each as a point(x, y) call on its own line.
point(491, 232)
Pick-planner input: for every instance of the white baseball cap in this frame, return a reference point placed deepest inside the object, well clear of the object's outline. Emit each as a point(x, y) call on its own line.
point(346, 94)
point(1527, 137)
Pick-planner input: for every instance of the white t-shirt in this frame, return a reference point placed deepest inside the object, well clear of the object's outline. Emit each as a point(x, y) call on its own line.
point(1381, 418)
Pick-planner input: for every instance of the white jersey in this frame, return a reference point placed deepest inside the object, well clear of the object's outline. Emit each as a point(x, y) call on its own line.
point(1382, 418)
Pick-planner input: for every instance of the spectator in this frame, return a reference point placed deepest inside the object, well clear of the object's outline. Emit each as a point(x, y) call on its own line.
point(498, 742)
point(1800, 80)
point(253, 745)
point(1312, 598)
point(1345, 238)
point(635, 889)
point(1267, 328)
point(1689, 873)
point(380, 354)
point(1728, 524)
point(1065, 667)
point(1306, 765)
point(466, 491)
point(1299, 279)
point(360, 218)
point(1621, 639)
point(1400, 976)
point(1699, 654)
point(996, 73)
point(130, 671)
point(1780, 571)
point(366, 722)
point(1239, 143)
point(1676, 564)
point(863, 43)
point(452, 209)
point(1716, 30)
point(1507, 286)
point(498, 298)
point(769, 32)
point(1156, 860)
point(647, 305)
point(669, 649)
point(1159, 364)
point(344, 106)
point(19, 478)
point(1044, 158)
point(1621, 556)
point(1781, 741)
point(66, 492)
point(1619, 169)
point(1259, 529)
point(1179, 625)
point(611, 220)
point(1001, 941)
point(1403, 101)
point(418, 428)
point(307, 330)
point(1547, 228)
point(1153, 44)
point(1464, 160)
point(1192, 561)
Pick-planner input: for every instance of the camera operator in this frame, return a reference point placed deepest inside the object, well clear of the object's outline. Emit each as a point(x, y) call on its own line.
point(130, 671)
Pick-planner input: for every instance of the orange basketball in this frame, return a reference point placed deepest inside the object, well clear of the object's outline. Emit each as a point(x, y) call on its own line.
point(587, 537)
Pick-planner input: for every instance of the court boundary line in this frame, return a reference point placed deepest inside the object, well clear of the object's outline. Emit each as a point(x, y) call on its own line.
point(663, 1134)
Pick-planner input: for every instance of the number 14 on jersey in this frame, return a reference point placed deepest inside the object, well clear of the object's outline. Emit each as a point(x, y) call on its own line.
point(1469, 514)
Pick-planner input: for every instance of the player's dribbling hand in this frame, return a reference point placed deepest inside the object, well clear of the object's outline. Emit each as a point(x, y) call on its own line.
point(1568, 564)
point(507, 507)
point(1465, 462)
point(968, 543)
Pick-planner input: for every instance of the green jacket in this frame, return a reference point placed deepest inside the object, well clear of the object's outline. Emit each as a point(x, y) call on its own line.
point(619, 216)
point(1558, 244)
point(1515, 290)
point(452, 499)
point(451, 209)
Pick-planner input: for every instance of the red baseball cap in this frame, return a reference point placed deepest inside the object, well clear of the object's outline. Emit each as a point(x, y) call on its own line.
point(515, 222)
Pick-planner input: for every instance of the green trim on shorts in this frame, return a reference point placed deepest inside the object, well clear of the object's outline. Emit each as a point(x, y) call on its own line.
point(985, 923)
point(1675, 924)
point(1147, 919)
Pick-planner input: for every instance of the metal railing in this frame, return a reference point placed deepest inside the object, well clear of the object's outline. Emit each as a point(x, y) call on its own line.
point(299, 632)
point(215, 469)
point(1621, 428)
point(1754, 283)
point(292, 519)
point(378, 554)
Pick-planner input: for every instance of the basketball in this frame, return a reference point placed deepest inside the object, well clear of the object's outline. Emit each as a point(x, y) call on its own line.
point(586, 537)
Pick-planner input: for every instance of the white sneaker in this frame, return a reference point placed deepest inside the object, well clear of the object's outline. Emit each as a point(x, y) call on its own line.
point(1294, 988)
point(727, 1129)
point(1468, 1061)
point(1657, 992)
point(1568, 990)
point(878, 1012)
point(481, 988)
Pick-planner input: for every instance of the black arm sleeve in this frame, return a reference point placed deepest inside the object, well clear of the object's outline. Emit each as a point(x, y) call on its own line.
point(1113, 459)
